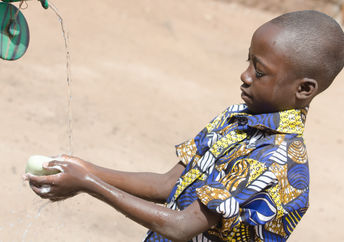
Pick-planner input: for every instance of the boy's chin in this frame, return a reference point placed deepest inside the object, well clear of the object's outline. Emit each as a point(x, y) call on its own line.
point(252, 108)
point(259, 109)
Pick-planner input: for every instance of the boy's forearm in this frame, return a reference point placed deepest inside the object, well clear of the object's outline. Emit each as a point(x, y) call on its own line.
point(175, 225)
point(150, 186)
point(75, 177)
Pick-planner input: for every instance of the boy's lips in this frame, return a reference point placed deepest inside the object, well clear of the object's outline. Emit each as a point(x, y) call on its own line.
point(244, 95)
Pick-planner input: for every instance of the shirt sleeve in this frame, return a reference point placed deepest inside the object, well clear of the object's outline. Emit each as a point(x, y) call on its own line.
point(186, 151)
point(200, 144)
point(226, 194)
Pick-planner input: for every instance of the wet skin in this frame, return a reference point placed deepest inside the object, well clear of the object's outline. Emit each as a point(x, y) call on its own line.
point(129, 193)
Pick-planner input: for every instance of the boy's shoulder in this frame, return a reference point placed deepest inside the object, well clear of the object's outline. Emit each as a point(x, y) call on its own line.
point(290, 121)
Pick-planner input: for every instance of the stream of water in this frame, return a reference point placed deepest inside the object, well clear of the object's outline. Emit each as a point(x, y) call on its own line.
point(69, 79)
point(69, 104)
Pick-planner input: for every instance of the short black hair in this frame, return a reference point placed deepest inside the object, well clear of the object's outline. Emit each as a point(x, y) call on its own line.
point(315, 45)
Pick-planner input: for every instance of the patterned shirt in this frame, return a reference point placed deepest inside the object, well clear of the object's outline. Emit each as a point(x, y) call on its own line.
point(251, 169)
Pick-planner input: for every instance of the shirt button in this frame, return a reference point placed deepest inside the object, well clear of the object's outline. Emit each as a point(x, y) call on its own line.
point(242, 121)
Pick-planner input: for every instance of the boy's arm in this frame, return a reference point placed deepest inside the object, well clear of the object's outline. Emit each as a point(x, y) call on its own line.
point(172, 224)
point(175, 225)
point(149, 186)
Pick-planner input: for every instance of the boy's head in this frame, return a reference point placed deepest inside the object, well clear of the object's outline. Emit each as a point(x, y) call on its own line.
point(292, 58)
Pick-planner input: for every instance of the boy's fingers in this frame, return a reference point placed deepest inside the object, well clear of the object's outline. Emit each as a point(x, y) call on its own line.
point(65, 157)
point(47, 192)
point(55, 165)
point(43, 191)
point(25, 177)
point(69, 158)
point(40, 180)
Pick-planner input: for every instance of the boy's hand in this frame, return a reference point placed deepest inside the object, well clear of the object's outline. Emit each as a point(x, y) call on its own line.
point(73, 159)
point(67, 183)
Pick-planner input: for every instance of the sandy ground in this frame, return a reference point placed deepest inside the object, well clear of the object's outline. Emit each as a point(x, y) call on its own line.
point(147, 74)
point(334, 8)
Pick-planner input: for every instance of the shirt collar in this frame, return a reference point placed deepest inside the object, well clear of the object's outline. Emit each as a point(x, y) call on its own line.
point(289, 121)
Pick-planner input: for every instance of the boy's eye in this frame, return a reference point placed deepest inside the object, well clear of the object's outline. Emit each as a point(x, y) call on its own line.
point(259, 74)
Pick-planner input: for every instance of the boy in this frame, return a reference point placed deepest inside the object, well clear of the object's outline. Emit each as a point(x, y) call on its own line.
point(244, 177)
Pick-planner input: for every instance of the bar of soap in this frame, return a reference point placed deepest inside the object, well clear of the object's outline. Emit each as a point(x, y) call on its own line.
point(34, 165)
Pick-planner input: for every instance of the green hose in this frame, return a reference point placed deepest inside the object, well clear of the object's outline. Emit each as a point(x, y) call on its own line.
point(14, 32)
point(44, 3)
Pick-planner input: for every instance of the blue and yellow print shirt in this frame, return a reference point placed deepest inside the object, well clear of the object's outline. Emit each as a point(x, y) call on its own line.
point(251, 169)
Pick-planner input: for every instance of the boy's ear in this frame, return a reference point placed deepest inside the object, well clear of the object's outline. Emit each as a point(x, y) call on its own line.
point(307, 88)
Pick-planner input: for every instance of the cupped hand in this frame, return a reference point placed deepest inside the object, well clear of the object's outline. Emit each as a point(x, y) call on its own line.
point(76, 160)
point(70, 181)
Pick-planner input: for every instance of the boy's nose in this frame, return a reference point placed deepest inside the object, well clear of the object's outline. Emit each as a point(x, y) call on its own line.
point(246, 78)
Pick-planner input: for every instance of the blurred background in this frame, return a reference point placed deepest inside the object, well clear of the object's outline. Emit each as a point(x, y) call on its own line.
point(146, 75)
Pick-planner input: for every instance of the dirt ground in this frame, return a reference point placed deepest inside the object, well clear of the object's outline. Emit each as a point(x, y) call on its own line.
point(146, 75)
point(334, 8)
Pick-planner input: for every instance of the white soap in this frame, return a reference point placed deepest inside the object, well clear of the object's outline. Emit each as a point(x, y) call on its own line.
point(34, 165)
